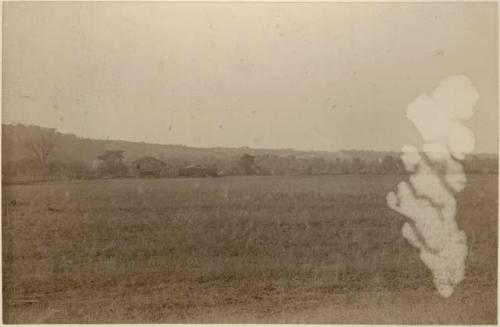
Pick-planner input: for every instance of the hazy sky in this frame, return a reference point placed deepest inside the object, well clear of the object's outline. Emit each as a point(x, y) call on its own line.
point(308, 76)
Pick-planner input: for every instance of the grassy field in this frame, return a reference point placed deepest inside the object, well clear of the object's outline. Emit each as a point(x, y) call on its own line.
point(322, 249)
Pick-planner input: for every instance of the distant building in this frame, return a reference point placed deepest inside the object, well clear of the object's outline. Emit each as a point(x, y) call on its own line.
point(197, 171)
point(149, 166)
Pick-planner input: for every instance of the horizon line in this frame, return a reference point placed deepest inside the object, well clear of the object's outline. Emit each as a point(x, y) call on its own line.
point(220, 147)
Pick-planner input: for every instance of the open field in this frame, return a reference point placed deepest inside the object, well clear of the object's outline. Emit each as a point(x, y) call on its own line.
point(323, 249)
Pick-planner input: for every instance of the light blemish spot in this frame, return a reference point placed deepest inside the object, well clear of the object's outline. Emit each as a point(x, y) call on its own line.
point(427, 199)
point(225, 193)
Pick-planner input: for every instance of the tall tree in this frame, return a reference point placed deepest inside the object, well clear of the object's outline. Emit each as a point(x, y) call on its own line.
point(247, 166)
point(40, 145)
point(112, 163)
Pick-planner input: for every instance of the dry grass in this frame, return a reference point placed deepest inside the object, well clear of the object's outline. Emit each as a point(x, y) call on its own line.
point(243, 249)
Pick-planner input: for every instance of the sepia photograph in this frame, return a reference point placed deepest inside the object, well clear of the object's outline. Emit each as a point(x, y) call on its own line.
point(243, 162)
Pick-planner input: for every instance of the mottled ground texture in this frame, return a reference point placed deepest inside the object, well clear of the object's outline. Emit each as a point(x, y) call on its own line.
point(242, 249)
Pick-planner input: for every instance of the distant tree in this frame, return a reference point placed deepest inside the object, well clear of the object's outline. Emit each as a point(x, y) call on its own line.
point(112, 156)
point(246, 165)
point(111, 163)
point(392, 165)
point(40, 145)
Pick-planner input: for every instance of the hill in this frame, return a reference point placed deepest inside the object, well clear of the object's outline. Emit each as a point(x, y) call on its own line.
point(26, 157)
point(73, 148)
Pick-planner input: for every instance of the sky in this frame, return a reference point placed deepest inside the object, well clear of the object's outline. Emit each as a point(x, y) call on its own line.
point(311, 76)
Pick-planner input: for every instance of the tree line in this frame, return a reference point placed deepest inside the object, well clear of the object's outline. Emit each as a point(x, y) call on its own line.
point(40, 163)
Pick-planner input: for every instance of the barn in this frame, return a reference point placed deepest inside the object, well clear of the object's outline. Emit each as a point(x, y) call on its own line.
point(149, 166)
